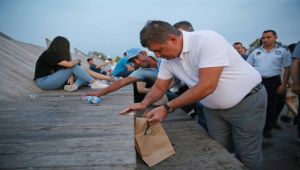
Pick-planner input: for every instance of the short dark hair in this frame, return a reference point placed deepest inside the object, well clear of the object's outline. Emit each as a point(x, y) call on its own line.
point(291, 47)
point(272, 31)
point(88, 59)
point(157, 32)
point(238, 43)
point(185, 25)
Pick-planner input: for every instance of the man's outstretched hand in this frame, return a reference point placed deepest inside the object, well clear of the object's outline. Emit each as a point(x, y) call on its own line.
point(133, 107)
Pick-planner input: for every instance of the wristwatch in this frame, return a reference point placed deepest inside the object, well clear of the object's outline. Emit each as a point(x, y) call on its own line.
point(168, 108)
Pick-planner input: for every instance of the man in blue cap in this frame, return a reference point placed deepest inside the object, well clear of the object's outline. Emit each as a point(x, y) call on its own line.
point(147, 71)
point(123, 68)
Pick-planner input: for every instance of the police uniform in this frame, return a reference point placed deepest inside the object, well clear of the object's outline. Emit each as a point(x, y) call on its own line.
point(270, 64)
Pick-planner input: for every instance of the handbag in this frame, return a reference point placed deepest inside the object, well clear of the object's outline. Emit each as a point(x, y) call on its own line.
point(152, 142)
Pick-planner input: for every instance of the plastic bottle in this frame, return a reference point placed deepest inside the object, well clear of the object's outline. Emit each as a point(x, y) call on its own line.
point(93, 99)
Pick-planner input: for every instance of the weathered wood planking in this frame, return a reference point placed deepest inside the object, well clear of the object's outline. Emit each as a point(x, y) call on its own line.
point(58, 130)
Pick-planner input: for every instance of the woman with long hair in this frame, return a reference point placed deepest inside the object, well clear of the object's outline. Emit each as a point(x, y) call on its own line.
point(55, 67)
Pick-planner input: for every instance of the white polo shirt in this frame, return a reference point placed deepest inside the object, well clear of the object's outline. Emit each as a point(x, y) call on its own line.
point(203, 49)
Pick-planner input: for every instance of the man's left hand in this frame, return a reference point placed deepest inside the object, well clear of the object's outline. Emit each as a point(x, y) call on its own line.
point(281, 89)
point(156, 115)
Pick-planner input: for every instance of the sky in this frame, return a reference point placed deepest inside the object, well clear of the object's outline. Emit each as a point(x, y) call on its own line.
point(113, 26)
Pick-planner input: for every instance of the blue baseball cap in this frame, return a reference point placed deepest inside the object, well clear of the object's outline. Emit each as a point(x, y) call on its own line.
point(133, 52)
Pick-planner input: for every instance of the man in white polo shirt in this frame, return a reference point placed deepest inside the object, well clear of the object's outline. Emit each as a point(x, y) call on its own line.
point(229, 88)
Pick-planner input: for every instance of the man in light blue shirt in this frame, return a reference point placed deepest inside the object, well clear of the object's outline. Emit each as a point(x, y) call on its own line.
point(269, 60)
point(122, 68)
point(147, 70)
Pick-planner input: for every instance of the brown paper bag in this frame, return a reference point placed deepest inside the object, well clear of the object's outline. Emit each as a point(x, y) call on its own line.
point(152, 142)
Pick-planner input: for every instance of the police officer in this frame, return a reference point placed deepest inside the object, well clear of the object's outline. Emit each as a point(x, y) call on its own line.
point(269, 59)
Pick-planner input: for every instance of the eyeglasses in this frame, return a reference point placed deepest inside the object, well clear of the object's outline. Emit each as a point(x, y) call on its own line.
point(148, 130)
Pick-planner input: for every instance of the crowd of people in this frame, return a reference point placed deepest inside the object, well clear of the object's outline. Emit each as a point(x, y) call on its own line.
point(236, 95)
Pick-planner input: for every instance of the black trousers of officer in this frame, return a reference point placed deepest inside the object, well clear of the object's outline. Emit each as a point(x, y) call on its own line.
point(271, 84)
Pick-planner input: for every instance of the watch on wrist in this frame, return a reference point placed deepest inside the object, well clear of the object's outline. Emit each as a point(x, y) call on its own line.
point(168, 108)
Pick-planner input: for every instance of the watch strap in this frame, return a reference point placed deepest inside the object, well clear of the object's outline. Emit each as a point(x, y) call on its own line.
point(168, 108)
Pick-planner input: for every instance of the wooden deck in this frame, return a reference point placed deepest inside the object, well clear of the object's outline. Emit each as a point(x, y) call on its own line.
point(58, 130)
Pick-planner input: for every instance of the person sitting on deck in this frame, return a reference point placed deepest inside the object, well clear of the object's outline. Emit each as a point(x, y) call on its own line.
point(96, 72)
point(55, 67)
point(96, 67)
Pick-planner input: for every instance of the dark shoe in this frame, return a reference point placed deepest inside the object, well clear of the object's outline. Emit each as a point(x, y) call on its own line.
point(193, 115)
point(276, 126)
point(268, 135)
point(295, 121)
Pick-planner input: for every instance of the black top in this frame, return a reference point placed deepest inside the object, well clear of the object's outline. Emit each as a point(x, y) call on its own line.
point(47, 64)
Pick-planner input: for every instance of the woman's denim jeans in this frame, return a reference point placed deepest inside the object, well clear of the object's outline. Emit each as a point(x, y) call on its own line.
point(58, 79)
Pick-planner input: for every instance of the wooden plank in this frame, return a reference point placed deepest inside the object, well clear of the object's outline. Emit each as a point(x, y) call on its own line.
point(58, 130)
point(81, 159)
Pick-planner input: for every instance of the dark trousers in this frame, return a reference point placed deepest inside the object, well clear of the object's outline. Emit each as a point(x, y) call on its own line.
point(200, 114)
point(280, 101)
point(271, 84)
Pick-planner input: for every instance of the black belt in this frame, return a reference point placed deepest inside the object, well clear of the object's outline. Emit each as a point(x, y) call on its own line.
point(273, 77)
point(255, 89)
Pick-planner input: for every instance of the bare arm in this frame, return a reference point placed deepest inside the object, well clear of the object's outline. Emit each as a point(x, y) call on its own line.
point(101, 65)
point(68, 64)
point(98, 75)
point(208, 82)
point(156, 92)
point(141, 87)
point(114, 87)
point(286, 74)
